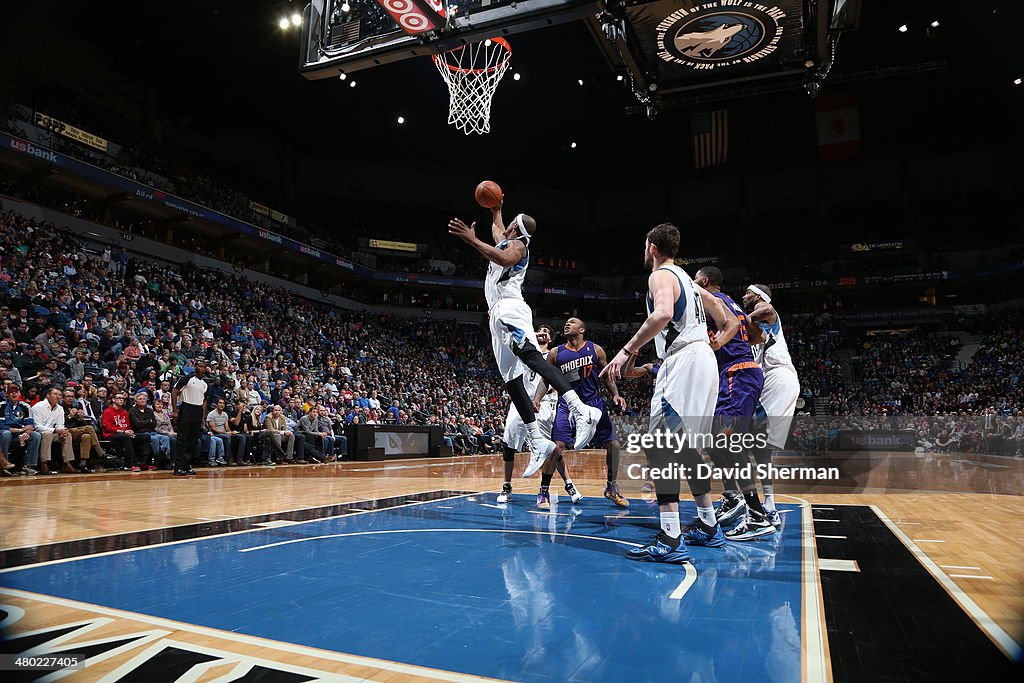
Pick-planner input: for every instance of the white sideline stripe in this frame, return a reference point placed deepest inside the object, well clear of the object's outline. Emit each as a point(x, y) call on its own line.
point(958, 566)
point(928, 540)
point(914, 523)
point(1002, 640)
point(547, 512)
point(812, 624)
point(819, 519)
point(838, 565)
point(496, 507)
point(229, 533)
point(821, 508)
point(972, 576)
point(301, 650)
point(684, 585)
point(628, 517)
point(276, 523)
point(842, 538)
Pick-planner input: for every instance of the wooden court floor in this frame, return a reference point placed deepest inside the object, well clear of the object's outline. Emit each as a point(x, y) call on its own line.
point(963, 514)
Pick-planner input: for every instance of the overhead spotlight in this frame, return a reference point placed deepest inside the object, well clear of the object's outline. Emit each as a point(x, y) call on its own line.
point(516, 76)
point(345, 7)
point(580, 81)
point(296, 19)
point(619, 77)
point(284, 23)
point(401, 120)
point(935, 24)
point(343, 76)
point(573, 145)
point(903, 29)
point(352, 84)
point(1016, 81)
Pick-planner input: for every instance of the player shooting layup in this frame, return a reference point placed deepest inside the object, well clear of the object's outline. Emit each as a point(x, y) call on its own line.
point(685, 393)
point(512, 333)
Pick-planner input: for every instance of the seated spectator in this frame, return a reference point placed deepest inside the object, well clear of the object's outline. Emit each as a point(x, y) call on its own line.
point(143, 421)
point(17, 427)
point(282, 439)
point(48, 416)
point(117, 428)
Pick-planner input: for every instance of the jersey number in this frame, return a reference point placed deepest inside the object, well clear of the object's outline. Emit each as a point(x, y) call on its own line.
point(698, 308)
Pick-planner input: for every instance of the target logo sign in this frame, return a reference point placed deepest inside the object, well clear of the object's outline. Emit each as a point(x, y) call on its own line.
point(414, 16)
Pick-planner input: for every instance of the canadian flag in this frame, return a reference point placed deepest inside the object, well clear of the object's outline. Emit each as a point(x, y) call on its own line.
point(838, 126)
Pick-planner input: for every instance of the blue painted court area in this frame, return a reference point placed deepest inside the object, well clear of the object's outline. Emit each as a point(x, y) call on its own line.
point(465, 586)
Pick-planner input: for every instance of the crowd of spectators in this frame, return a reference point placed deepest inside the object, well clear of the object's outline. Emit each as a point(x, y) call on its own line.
point(109, 327)
point(96, 332)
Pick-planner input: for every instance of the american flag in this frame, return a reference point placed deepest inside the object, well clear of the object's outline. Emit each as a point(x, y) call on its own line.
point(710, 138)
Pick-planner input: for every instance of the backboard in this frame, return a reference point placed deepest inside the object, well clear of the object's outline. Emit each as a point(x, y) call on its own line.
point(344, 36)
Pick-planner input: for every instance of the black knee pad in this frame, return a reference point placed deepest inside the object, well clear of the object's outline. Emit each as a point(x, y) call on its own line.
point(507, 454)
point(699, 485)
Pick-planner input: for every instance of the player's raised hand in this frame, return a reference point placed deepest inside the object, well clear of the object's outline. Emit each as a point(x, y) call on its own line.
point(458, 228)
point(620, 402)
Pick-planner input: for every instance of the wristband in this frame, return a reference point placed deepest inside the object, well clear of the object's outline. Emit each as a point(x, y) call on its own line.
point(628, 352)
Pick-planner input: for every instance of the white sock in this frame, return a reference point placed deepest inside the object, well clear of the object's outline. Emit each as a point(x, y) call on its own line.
point(707, 515)
point(534, 429)
point(567, 480)
point(574, 402)
point(670, 524)
point(769, 497)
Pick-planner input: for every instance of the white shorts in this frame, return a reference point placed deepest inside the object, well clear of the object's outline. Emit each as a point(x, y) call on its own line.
point(686, 391)
point(778, 400)
point(515, 430)
point(511, 323)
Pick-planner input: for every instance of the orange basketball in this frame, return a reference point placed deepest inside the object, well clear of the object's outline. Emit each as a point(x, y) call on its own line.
point(488, 194)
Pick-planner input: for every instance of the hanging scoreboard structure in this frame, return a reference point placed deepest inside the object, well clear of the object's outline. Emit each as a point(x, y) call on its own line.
point(664, 47)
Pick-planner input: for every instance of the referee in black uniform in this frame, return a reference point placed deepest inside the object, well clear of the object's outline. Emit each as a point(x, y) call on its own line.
point(192, 391)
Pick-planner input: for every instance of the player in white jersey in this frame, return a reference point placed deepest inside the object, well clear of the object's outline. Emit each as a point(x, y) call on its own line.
point(685, 393)
point(515, 431)
point(512, 335)
point(781, 384)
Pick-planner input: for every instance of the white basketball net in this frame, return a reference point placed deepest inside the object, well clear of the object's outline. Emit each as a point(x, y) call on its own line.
point(472, 74)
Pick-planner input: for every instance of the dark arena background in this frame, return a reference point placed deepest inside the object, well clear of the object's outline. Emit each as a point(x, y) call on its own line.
point(253, 201)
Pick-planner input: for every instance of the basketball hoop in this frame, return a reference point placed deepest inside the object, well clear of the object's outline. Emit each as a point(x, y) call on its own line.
point(472, 73)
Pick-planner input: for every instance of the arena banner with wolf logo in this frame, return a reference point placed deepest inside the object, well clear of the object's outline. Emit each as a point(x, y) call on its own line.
point(716, 39)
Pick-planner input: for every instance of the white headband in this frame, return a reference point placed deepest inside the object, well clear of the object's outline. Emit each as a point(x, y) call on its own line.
point(757, 290)
point(522, 226)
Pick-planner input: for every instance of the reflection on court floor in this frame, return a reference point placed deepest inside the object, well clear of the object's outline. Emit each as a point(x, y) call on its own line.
point(469, 586)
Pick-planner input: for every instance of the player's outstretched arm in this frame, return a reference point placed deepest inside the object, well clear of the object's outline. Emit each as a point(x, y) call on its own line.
point(728, 324)
point(506, 258)
point(638, 372)
point(663, 286)
point(602, 361)
point(497, 224)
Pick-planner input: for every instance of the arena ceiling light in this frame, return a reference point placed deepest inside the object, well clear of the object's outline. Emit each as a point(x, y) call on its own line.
point(345, 7)
point(284, 23)
point(572, 145)
point(516, 76)
point(1016, 81)
point(296, 19)
point(401, 120)
point(935, 24)
point(903, 28)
